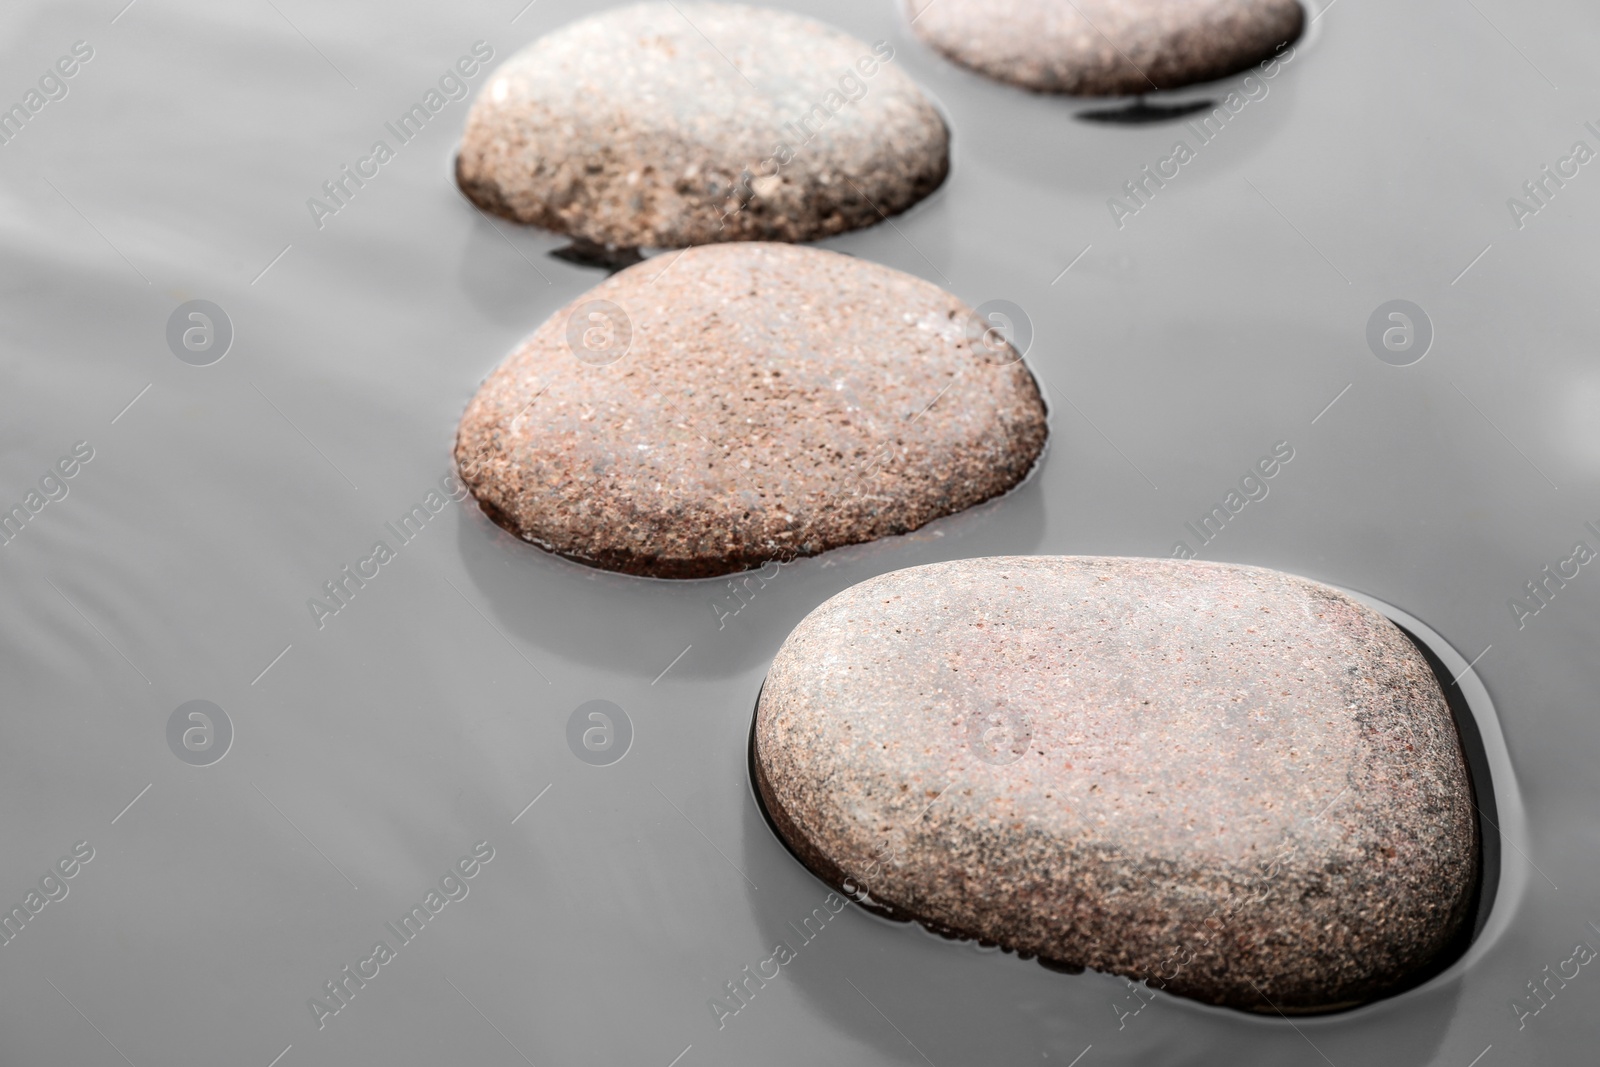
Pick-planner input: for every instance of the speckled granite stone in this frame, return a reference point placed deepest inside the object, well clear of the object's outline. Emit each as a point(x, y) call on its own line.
point(1238, 785)
point(743, 403)
point(665, 125)
point(1106, 47)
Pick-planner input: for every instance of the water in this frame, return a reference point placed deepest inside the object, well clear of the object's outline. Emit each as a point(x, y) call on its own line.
point(369, 756)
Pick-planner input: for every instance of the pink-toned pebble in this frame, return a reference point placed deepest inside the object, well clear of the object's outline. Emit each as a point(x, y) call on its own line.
point(1106, 47)
point(1236, 784)
point(671, 124)
point(708, 411)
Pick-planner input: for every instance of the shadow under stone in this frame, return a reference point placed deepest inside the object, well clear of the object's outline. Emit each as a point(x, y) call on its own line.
point(1140, 113)
point(586, 253)
point(1489, 853)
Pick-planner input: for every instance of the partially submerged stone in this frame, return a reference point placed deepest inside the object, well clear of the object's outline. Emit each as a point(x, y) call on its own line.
point(664, 125)
point(708, 411)
point(1106, 47)
point(1235, 784)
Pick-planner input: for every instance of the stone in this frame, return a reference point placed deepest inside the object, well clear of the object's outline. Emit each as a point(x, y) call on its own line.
point(1106, 47)
point(664, 125)
point(711, 410)
point(1234, 784)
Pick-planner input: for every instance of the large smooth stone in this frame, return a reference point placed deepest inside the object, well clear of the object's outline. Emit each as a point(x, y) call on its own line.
point(1106, 47)
point(666, 125)
point(1238, 785)
point(707, 411)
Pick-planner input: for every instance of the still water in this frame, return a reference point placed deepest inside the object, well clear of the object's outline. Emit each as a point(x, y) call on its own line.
point(377, 756)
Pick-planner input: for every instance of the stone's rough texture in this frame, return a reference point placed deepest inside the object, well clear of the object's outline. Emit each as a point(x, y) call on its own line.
point(651, 125)
point(773, 401)
point(1233, 783)
point(1106, 47)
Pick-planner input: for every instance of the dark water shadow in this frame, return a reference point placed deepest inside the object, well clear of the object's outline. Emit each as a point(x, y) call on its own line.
point(1140, 112)
point(1477, 756)
point(586, 253)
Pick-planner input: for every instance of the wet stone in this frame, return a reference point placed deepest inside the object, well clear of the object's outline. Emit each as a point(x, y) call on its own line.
point(662, 125)
point(711, 410)
point(1106, 47)
point(1234, 784)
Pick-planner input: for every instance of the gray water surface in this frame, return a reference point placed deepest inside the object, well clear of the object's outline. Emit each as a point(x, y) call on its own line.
point(369, 756)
